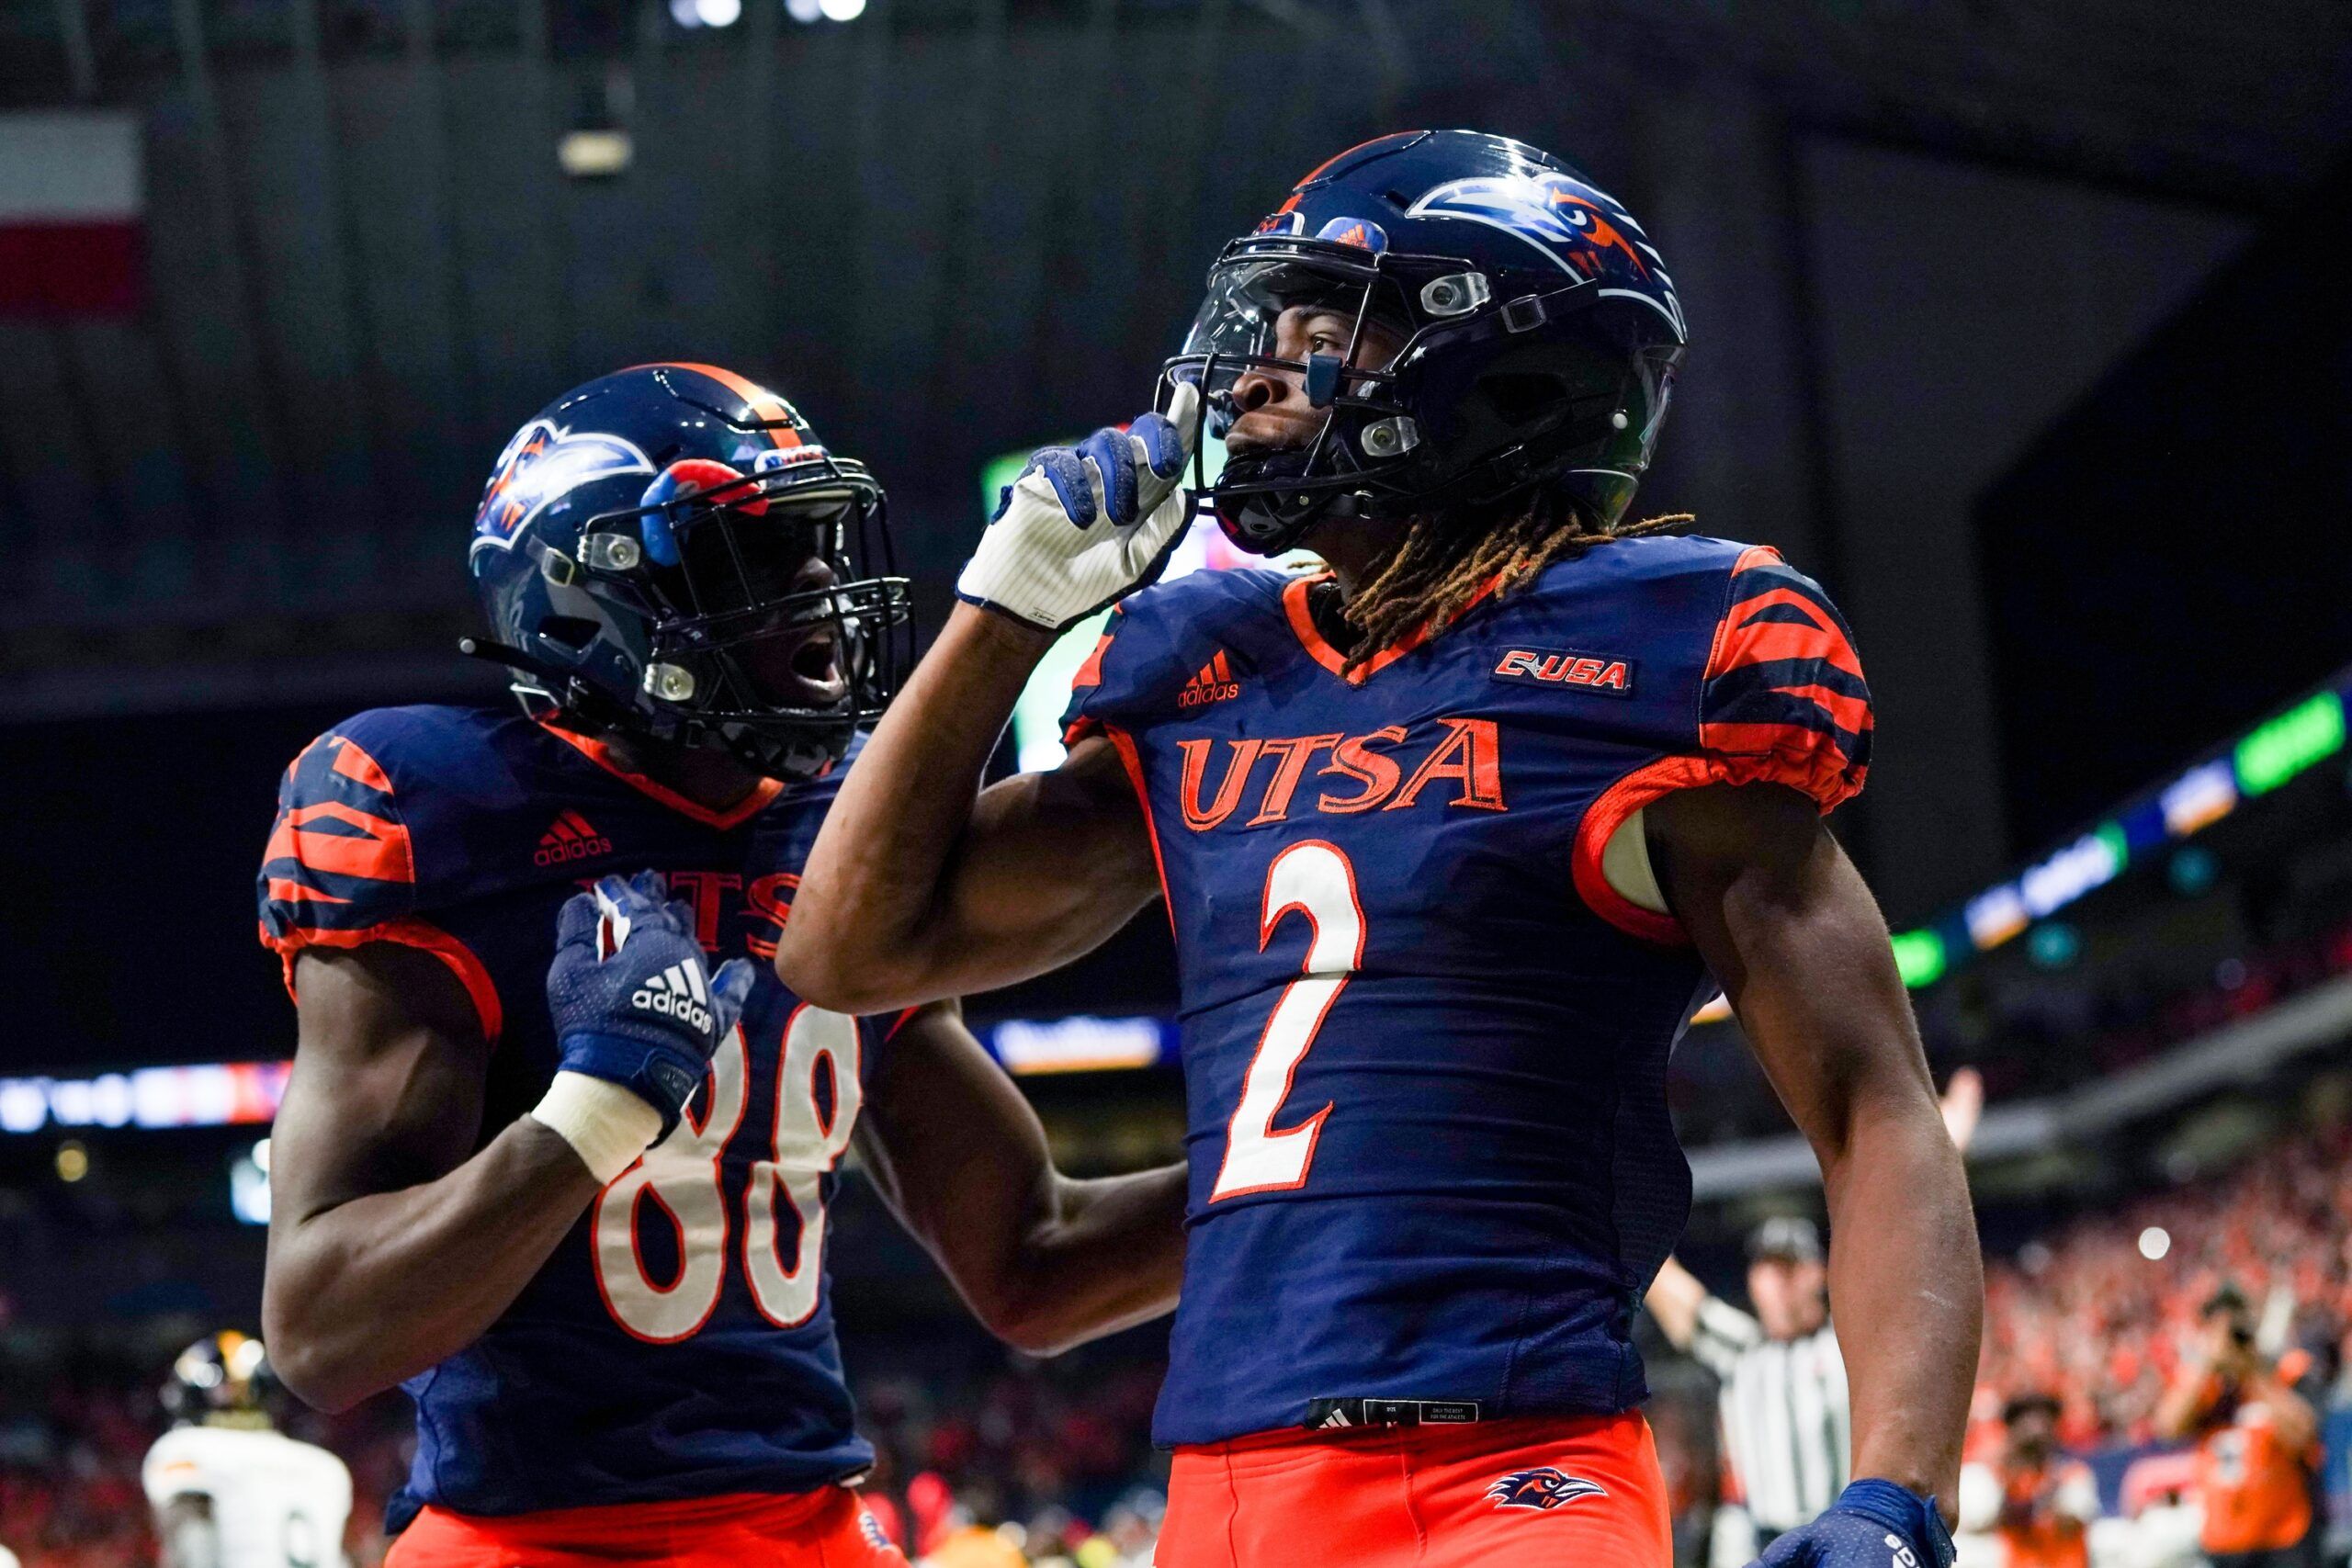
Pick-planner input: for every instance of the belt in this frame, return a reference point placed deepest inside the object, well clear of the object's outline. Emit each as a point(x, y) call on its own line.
point(1328, 1415)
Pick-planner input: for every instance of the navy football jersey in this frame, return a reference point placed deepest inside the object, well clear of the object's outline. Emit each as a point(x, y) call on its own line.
point(679, 1343)
point(1424, 1039)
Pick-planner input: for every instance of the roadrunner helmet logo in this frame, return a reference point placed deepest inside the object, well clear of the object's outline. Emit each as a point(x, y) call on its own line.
point(1582, 231)
point(1543, 1487)
point(541, 466)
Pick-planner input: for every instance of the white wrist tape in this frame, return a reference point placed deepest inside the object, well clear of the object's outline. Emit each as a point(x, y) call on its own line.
point(606, 1126)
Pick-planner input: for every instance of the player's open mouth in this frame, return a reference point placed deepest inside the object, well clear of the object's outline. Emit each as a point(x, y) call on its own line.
point(813, 659)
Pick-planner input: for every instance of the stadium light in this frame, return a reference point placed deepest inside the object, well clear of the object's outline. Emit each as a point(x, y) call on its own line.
point(842, 10)
point(1919, 957)
point(803, 10)
point(249, 1186)
point(73, 1161)
point(2305, 735)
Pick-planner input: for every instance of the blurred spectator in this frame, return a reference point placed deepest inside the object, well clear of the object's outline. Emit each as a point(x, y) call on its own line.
point(2258, 1442)
point(2041, 1503)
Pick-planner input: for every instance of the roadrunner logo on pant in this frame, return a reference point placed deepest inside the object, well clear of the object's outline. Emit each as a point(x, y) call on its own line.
point(676, 992)
point(1543, 1487)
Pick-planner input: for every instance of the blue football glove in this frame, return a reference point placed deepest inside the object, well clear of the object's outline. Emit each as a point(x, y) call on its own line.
point(633, 1000)
point(1086, 525)
point(1873, 1524)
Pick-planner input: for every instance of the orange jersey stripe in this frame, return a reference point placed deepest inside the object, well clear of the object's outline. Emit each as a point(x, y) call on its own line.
point(1851, 713)
point(294, 893)
point(354, 763)
point(384, 856)
point(1769, 640)
point(1090, 673)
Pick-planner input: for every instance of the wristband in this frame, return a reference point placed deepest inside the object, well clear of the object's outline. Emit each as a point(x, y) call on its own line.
point(606, 1125)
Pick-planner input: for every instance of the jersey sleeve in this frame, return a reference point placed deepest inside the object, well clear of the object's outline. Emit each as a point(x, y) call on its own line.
point(1091, 703)
point(340, 869)
point(1783, 700)
point(1149, 663)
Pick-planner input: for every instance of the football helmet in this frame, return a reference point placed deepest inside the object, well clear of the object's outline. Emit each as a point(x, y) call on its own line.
point(1540, 336)
point(223, 1380)
point(670, 550)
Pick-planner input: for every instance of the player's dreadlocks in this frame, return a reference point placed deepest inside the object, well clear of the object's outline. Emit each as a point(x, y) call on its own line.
point(1447, 558)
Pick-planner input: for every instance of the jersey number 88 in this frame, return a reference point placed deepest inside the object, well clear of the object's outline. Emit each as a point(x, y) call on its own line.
point(682, 1177)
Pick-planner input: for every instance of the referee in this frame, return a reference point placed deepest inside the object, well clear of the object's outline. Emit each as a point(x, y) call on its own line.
point(1785, 1421)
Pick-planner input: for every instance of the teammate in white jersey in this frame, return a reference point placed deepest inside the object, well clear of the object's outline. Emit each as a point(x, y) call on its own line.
point(227, 1488)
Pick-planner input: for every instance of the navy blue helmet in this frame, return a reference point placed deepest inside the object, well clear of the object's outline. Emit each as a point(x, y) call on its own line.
point(670, 550)
point(1538, 332)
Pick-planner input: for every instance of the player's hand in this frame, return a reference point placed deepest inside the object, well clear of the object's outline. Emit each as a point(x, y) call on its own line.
point(634, 1001)
point(1873, 1524)
point(1086, 525)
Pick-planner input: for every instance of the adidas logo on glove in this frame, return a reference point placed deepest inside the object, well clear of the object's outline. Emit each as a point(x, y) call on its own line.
point(677, 992)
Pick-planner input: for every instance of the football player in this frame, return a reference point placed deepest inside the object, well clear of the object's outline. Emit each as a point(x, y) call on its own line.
point(545, 1162)
point(228, 1489)
point(1452, 835)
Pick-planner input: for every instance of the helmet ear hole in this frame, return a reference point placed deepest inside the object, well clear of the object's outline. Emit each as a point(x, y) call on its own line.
point(573, 632)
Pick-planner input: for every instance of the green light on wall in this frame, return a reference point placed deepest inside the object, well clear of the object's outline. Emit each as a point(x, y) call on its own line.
point(2310, 732)
point(2111, 835)
point(1919, 957)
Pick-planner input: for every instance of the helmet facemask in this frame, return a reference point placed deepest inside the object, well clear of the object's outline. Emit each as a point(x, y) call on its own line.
point(1267, 497)
point(758, 633)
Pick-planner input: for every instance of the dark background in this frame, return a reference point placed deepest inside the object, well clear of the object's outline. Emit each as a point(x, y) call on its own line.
point(2015, 324)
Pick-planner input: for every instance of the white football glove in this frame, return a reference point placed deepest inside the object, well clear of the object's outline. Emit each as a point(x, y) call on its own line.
point(1086, 525)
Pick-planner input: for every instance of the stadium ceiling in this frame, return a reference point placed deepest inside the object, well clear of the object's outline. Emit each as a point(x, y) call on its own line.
point(364, 268)
point(2233, 103)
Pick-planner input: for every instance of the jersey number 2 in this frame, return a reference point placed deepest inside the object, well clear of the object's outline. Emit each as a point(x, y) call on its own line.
point(681, 1175)
point(1319, 882)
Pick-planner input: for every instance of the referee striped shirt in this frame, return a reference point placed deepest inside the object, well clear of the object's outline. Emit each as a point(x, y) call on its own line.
point(1784, 1414)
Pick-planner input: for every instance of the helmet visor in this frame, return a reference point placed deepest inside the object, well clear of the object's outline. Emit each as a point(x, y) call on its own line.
point(1325, 329)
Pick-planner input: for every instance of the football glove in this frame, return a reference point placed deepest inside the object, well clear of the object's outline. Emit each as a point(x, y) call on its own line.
point(638, 1014)
point(1086, 525)
point(1873, 1524)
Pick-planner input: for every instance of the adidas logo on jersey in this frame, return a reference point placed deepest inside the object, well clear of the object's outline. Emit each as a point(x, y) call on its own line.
point(676, 992)
point(570, 838)
point(1213, 683)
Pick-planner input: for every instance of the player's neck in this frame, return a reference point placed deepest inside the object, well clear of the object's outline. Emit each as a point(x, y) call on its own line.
point(709, 777)
point(1355, 548)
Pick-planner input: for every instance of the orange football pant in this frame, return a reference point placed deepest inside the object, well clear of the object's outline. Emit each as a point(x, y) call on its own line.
point(825, 1528)
point(1534, 1490)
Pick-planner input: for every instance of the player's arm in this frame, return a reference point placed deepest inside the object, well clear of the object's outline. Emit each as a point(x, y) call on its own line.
point(1790, 930)
point(392, 1247)
point(1046, 1261)
point(919, 889)
point(389, 1248)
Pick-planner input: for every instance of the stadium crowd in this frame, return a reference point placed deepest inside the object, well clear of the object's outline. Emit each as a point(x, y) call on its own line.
point(2100, 1313)
point(1013, 1460)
